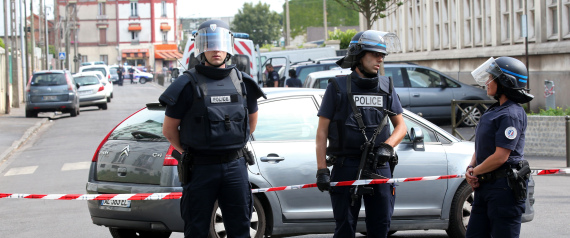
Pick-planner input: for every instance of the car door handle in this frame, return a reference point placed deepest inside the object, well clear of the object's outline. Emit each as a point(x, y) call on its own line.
point(272, 158)
point(416, 95)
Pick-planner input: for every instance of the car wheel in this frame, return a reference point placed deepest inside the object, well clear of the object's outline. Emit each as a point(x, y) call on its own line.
point(142, 80)
point(74, 112)
point(460, 211)
point(103, 106)
point(111, 94)
point(125, 233)
point(475, 115)
point(31, 113)
point(108, 99)
point(257, 227)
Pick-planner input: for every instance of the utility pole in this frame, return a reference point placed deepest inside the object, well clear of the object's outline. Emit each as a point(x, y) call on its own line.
point(40, 35)
point(46, 36)
point(525, 32)
point(57, 30)
point(75, 38)
point(66, 37)
point(15, 49)
point(33, 31)
point(6, 52)
point(325, 19)
point(24, 50)
point(288, 36)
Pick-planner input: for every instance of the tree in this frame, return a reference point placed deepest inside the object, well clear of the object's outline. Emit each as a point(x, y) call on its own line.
point(2, 43)
point(309, 13)
point(372, 9)
point(262, 25)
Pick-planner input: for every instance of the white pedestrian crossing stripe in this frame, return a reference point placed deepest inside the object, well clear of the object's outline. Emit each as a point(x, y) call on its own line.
point(21, 170)
point(76, 166)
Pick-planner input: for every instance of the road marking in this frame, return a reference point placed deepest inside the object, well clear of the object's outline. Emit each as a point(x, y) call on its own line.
point(76, 166)
point(21, 170)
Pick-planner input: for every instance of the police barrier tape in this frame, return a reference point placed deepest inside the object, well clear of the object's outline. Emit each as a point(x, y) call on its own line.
point(177, 195)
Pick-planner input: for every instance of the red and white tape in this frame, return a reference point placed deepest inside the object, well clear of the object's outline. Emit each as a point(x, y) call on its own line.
point(177, 195)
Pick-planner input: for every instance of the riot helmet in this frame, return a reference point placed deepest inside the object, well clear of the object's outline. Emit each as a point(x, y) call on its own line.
point(509, 73)
point(374, 41)
point(213, 35)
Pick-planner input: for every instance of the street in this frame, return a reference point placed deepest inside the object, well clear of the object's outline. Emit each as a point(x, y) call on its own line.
point(57, 158)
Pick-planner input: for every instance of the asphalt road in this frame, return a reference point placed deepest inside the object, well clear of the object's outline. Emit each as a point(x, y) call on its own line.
point(56, 160)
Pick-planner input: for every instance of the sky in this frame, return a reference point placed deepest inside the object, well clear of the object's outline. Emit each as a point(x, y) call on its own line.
point(220, 8)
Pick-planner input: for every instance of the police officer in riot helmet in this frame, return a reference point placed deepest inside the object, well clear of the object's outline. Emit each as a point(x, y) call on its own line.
point(353, 117)
point(498, 172)
point(210, 112)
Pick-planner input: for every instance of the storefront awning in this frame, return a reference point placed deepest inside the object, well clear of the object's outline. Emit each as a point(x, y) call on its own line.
point(135, 27)
point(167, 54)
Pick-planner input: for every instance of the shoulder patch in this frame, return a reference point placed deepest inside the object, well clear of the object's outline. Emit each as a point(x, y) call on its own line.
point(511, 133)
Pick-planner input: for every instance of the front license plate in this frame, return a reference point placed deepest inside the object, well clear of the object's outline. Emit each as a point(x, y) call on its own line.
point(50, 98)
point(116, 203)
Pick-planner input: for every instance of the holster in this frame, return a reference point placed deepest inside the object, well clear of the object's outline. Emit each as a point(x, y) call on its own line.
point(393, 162)
point(184, 166)
point(248, 156)
point(517, 179)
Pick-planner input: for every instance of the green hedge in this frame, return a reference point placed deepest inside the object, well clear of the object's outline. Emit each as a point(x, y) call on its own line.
point(552, 112)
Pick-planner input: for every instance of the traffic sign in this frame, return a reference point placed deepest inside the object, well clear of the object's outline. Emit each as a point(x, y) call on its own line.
point(61, 55)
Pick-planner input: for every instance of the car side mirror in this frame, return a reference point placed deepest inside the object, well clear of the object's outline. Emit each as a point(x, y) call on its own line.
point(417, 137)
point(77, 85)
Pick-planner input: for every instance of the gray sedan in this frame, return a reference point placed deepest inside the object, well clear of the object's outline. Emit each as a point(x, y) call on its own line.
point(136, 158)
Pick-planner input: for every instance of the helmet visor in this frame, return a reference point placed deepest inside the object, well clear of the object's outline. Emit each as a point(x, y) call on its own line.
point(489, 68)
point(379, 41)
point(213, 39)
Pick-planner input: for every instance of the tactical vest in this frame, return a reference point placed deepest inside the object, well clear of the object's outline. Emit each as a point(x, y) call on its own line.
point(345, 137)
point(218, 118)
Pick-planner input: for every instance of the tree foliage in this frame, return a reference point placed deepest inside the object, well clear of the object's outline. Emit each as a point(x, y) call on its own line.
point(2, 43)
point(262, 25)
point(344, 37)
point(309, 13)
point(372, 9)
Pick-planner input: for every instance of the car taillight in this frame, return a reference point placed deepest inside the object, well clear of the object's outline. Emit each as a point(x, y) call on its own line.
point(69, 86)
point(168, 159)
point(107, 137)
point(109, 76)
point(101, 88)
point(29, 83)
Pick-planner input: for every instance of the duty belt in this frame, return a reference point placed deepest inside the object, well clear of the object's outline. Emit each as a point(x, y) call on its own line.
point(217, 159)
point(492, 176)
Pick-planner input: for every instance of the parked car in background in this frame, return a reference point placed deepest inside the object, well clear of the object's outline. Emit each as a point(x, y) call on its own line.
point(104, 69)
point(108, 85)
point(135, 157)
point(93, 63)
point(51, 91)
point(305, 69)
point(91, 90)
point(139, 76)
point(421, 89)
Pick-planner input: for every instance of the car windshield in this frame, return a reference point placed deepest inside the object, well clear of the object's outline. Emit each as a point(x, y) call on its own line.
point(102, 70)
point(113, 70)
point(144, 125)
point(86, 80)
point(48, 80)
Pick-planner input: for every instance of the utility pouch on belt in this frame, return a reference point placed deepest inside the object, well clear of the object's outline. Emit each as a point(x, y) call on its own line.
point(184, 166)
point(517, 179)
point(248, 156)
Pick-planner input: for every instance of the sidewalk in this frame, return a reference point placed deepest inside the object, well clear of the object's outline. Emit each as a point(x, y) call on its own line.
point(15, 129)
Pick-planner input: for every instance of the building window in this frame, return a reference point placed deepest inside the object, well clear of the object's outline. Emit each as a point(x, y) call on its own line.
point(102, 9)
point(104, 58)
point(554, 13)
point(164, 37)
point(134, 37)
point(102, 36)
point(163, 4)
point(134, 9)
point(84, 58)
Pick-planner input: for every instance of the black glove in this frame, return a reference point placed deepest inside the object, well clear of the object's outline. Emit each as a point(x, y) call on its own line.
point(324, 179)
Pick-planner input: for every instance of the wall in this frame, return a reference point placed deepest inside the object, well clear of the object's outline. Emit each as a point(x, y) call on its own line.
point(545, 136)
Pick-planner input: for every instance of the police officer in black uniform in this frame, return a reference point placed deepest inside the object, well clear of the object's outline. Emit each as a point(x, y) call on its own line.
point(215, 107)
point(349, 100)
point(498, 172)
point(293, 81)
point(272, 76)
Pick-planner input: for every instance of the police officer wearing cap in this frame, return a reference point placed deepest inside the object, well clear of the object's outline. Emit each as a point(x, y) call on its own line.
point(496, 169)
point(375, 100)
point(272, 76)
point(210, 112)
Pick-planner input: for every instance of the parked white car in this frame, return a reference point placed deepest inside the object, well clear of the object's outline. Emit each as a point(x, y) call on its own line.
point(139, 76)
point(108, 85)
point(91, 90)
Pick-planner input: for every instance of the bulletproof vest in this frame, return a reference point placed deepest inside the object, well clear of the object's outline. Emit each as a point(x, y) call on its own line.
point(345, 137)
point(218, 118)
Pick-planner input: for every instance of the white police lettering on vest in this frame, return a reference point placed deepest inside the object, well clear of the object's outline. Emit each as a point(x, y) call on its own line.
point(368, 101)
point(220, 99)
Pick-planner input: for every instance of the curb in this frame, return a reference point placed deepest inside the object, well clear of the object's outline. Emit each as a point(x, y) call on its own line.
point(27, 134)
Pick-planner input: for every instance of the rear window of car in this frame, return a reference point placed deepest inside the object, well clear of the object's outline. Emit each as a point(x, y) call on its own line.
point(102, 70)
point(48, 80)
point(86, 80)
point(113, 70)
point(144, 125)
